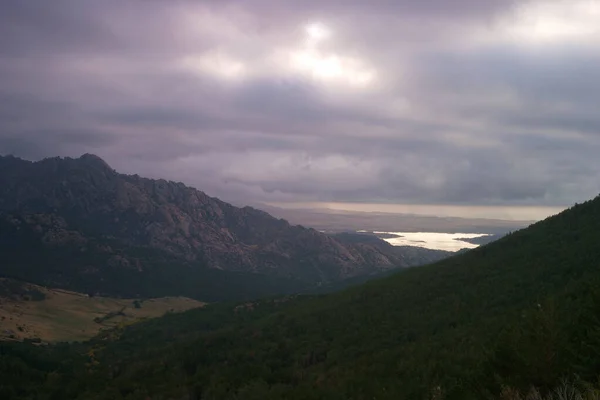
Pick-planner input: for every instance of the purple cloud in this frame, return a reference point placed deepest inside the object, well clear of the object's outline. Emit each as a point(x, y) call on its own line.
point(437, 102)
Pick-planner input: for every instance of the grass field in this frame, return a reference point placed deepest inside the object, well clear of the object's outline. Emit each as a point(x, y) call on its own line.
point(70, 316)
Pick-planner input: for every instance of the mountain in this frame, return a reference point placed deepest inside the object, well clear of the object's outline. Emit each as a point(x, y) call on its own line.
point(493, 323)
point(80, 225)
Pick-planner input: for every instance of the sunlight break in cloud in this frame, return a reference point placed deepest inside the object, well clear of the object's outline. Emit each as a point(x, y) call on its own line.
point(317, 32)
point(328, 67)
point(305, 59)
point(547, 23)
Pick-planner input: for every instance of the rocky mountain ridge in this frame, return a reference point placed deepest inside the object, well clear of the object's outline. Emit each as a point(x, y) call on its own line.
point(71, 202)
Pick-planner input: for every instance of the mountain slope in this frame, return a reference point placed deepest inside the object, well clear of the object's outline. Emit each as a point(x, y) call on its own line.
point(41, 249)
point(519, 312)
point(96, 230)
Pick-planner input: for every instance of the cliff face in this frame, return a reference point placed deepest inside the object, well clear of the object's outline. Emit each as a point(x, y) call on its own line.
point(82, 199)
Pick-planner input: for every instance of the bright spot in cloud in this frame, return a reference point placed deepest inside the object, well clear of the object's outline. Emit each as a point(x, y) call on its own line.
point(308, 59)
point(217, 64)
point(550, 22)
point(326, 66)
point(317, 31)
point(331, 67)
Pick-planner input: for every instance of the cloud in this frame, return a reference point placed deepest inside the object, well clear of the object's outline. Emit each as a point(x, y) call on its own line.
point(431, 102)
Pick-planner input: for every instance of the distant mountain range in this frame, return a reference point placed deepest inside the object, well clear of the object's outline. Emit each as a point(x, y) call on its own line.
point(80, 225)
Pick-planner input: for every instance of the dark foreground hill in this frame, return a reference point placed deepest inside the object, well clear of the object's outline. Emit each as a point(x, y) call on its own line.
point(520, 312)
point(78, 224)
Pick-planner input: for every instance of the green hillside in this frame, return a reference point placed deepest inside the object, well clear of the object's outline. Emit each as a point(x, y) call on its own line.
point(52, 315)
point(520, 312)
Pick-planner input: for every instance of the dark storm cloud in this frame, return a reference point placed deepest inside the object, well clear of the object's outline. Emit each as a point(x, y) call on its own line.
point(407, 102)
point(42, 26)
point(549, 76)
point(35, 128)
point(37, 144)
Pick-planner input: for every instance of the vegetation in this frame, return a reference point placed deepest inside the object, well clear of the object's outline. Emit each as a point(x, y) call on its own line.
point(52, 315)
point(15, 290)
point(492, 323)
point(88, 269)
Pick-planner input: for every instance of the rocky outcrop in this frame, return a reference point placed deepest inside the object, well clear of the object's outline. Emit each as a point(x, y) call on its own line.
point(74, 200)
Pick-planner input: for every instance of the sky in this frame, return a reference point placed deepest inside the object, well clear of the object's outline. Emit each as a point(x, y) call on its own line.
point(462, 103)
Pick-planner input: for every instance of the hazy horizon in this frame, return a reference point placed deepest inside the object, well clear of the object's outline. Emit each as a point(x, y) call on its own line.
point(505, 213)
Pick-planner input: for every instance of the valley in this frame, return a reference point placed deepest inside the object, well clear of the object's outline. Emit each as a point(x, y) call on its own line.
point(115, 282)
point(511, 315)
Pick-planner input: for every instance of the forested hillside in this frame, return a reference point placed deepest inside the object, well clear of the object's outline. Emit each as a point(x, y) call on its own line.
point(519, 313)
